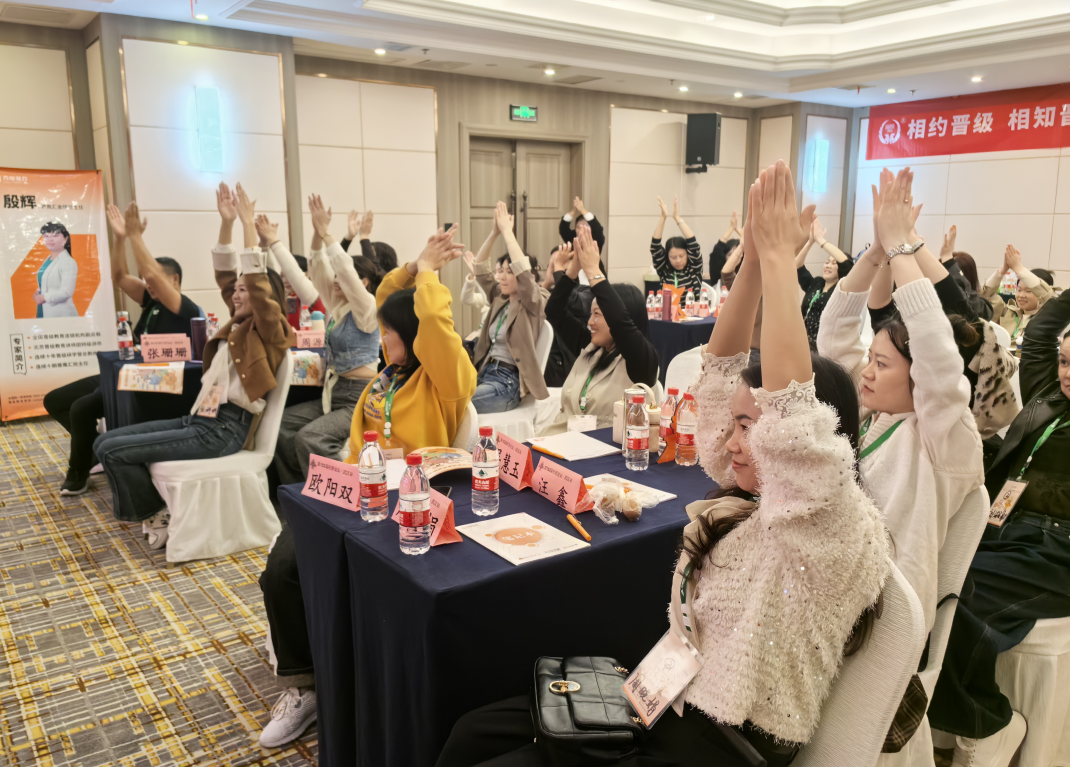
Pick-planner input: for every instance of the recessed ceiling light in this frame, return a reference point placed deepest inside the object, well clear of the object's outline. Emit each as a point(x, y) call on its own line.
point(711, 17)
point(201, 17)
point(976, 79)
point(891, 90)
point(182, 42)
point(683, 89)
point(380, 51)
point(737, 95)
point(321, 74)
point(548, 71)
point(665, 110)
point(612, 105)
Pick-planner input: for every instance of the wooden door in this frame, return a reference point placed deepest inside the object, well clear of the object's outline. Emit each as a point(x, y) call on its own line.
point(490, 162)
point(543, 188)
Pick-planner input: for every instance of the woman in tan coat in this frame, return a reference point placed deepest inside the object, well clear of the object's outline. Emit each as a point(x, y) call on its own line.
point(1031, 295)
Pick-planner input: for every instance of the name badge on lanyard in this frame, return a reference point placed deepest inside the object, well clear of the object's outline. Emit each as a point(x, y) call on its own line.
point(1012, 489)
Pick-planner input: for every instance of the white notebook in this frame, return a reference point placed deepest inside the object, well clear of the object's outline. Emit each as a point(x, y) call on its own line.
point(521, 538)
point(573, 446)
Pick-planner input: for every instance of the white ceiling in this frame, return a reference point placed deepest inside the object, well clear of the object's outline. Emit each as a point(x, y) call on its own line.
point(767, 50)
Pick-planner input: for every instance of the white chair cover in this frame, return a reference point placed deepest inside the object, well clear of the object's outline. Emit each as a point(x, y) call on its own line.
point(1002, 335)
point(519, 423)
point(684, 370)
point(1035, 677)
point(221, 507)
point(859, 710)
point(467, 430)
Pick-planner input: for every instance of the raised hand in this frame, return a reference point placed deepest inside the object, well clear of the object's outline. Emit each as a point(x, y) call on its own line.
point(894, 222)
point(502, 220)
point(676, 207)
point(321, 216)
point(578, 205)
point(776, 227)
point(353, 222)
point(470, 262)
point(947, 250)
point(817, 232)
point(439, 251)
point(733, 223)
point(1012, 259)
point(586, 250)
point(886, 177)
point(116, 220)
point(226, 203)
point(664, 208)
point(564, 254)
point(269, 232)
point(246, 207)
point(366, 225)
point(133, 221)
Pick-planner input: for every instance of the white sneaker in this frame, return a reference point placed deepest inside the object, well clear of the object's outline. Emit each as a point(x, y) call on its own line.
point(294, 711)
point(155, 528)
point(995, 750)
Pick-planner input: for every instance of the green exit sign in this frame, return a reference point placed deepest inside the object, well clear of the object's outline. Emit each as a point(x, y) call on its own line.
point(524, 114)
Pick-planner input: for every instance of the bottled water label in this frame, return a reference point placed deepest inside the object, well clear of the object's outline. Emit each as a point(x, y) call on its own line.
point(415, 513)
point(638, 438)
point(685, 434)
point(485, 477)
point(372, 483)
point(666, 425)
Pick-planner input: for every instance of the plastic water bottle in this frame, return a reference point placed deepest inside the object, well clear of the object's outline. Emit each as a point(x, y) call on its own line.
point(686, 426)
point(650, 305)
point(213, 325)
point(657, 305)
point(704, 303)
point(126, 338)
point(720, 302)
point(637, 424)
point(485, 474)
point(668, 410)
point(372, 466)
point(414, 532)
point(689, 304)
point(306, 318)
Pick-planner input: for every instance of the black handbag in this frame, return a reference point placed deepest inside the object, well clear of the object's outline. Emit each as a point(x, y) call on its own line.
point(580, 713)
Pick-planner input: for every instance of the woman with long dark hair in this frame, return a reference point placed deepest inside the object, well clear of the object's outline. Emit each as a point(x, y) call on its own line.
point(807, 554)
point(679, 261)
point(58, 275)
point(616, 350)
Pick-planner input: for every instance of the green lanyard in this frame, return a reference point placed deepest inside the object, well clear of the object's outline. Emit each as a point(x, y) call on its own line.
point(583, 394)
point(1017, 322)
point(149, 319)
point(813, 301)
point(1052, 428)
point(388, 405)
point(877, 442)
point(330, 327)
point(501, 318)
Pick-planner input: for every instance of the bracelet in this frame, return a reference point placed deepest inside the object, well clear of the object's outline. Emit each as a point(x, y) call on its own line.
point(596, 278)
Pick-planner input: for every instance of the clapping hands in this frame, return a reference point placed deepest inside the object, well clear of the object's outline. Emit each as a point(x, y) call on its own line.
point(577, 205)
point(439, 251)
point(897, 215)
point(117, 221)
point(586, 250)
point(502, 220)
point(1012, 259)
point(227, 203)
point(321, 215)
point(133, 222)
point(947, 250)
point(776, 228)
point(269, 232)
point(246, 207)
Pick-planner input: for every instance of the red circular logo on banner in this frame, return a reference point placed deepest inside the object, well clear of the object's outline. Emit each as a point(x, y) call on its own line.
point(889, 132)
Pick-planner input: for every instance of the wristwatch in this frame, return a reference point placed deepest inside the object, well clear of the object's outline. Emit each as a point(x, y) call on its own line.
point(901, 249)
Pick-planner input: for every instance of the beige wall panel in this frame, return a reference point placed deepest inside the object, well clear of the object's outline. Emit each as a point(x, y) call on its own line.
point(407, 234)
point(1023, 186)
point(718, 191)
point(395, 182)
point(166, 176)
point(634, 189)
point(985, 237)
point(210, 301)
point(645, 136)
point(733, 142)
point(631, 241)
point(34, 92)
point(328, 111)
point(398, 117)
point(707, 229)
point(336, 174)
point(1059, 258)
point(774, 141)
point(1062, 189)
point(97, 106)
point(37, 149)
point(161, 82)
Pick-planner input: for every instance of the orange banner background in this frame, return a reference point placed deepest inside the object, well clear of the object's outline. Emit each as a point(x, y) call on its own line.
point(24, 280)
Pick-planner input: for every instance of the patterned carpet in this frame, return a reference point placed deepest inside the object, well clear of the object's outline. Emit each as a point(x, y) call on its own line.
point(109, 657)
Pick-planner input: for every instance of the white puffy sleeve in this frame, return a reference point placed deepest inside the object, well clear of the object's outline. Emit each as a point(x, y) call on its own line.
point(713, 393)
point(839, 336)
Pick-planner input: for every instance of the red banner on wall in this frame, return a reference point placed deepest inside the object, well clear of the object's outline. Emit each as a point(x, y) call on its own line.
point(1026, 118)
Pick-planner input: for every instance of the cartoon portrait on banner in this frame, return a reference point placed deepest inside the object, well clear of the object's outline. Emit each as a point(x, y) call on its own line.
point(54, 258)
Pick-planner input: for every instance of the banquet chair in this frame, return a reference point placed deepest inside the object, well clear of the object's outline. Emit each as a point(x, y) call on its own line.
point(519, 423)
point(467, 430)
point(960, 544)
point(869, 687)
point(1002, 335)
point(221, 506)
point(684, 369)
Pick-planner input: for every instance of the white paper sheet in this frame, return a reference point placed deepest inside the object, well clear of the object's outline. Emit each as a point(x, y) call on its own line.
point(574, 446)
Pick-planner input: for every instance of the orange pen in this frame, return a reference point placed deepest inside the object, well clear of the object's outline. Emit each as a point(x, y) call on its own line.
point(579, 528)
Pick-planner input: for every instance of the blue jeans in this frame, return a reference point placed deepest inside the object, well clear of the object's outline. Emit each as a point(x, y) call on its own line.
point(127, 452)
point(497, 389)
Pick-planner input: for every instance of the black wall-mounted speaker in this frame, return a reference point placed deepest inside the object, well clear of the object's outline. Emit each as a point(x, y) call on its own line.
point(703, 139)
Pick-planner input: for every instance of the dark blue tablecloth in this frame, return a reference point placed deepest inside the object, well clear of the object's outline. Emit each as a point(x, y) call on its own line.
point(403, 646)
point(124, 408)
point(672, 338)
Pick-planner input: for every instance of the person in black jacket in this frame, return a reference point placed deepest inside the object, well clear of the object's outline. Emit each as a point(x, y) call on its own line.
point(568, 234)
point(382, 255)
point(818, 289)
point(1021, 572)
point(728, 242)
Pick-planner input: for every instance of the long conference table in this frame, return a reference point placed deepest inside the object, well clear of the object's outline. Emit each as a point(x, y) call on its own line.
point(403, 646)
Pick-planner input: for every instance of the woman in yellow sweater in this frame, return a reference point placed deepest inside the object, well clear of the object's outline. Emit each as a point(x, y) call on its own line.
point(421, 396)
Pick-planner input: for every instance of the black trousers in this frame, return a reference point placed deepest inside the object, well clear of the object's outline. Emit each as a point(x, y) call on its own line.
point(1020, 574)
point(76, 407)
point(285, 607)
point(502, 735)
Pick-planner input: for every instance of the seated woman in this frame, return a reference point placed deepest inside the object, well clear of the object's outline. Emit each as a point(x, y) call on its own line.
point(924, 453)
point(347, 286)
point(818, 289)
point(239, 370)
point(382, 255)
point(1032, 294)
point(789, 552)
point(616, 350)
point(679, 262)
point(724, 246)
point(505, 352)
point(418, 401)
point(1021, 572)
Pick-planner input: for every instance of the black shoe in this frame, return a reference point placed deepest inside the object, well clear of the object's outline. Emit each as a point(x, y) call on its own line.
point(77, 482)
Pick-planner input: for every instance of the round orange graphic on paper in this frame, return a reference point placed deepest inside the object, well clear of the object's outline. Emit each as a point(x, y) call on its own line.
point(518, 536)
